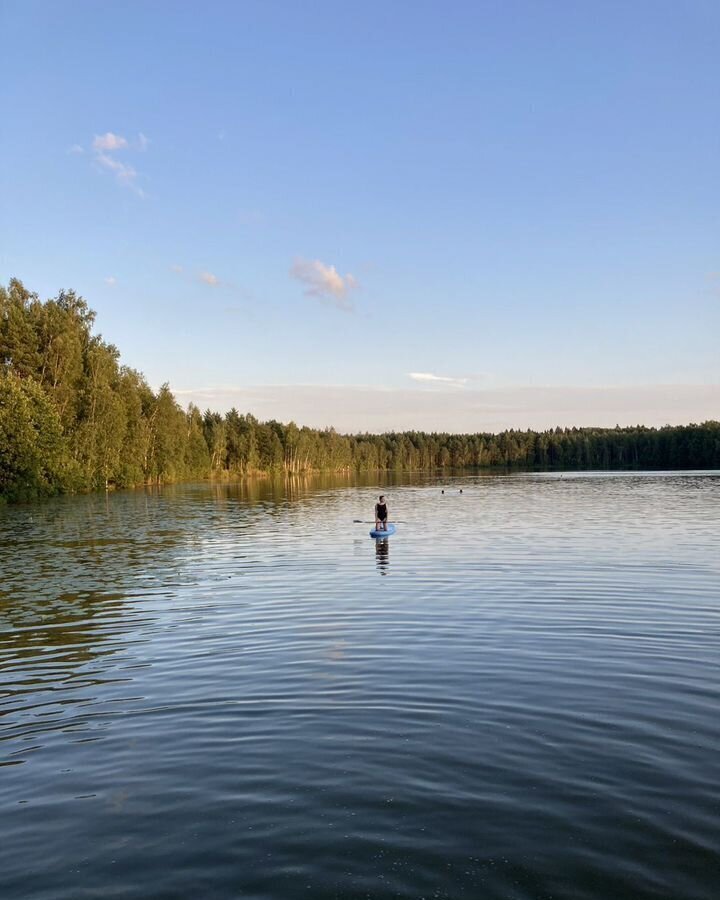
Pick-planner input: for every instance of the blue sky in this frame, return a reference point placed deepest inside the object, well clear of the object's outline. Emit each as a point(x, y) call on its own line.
point(466, 215)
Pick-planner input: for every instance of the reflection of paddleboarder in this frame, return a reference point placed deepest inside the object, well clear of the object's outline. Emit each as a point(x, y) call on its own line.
point(382, 555)
point(381, 514)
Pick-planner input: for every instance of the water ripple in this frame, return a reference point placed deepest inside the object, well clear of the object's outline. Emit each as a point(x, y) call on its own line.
point(230, 690)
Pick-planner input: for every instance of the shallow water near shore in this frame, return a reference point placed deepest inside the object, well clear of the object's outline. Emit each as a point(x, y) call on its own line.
point(232, 691)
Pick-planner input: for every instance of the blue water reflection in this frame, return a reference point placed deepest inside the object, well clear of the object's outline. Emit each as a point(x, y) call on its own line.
point(230, 690)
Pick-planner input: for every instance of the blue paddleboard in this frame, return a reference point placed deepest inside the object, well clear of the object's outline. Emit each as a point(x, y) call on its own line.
point(381, 533)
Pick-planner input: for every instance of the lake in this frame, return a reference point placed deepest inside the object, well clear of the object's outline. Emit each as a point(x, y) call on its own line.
point(230, 690)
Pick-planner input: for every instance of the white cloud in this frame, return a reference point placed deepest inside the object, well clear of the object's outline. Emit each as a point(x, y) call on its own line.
point(103, 146)
point(325, 282)
point(428, 377)
point(109, 141)
point(111, 280)
point(123, 172)
point(192, 276)
point(362, 408)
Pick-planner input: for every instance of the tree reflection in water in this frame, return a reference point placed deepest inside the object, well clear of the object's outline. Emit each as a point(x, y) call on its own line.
point(72, 613)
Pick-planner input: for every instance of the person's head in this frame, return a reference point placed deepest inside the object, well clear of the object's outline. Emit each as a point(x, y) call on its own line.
point(382, 497)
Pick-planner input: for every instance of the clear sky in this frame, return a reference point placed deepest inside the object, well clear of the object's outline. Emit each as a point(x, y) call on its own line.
point(376, 215)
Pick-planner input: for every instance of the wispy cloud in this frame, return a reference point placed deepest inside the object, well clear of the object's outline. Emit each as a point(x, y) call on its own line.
point(103, 147)
point(364, 408)
point(109, 141)
point(111, 280)
point(124, 173)
point(325, 282)
point(190, 275)
point(430, 378)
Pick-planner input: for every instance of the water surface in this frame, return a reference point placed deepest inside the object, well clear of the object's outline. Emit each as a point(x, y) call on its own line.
point(232, 691)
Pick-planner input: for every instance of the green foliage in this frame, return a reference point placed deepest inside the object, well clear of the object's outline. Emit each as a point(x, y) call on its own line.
point(32, 447)
point(242, 445)
point(73, 418)
point(197, 456)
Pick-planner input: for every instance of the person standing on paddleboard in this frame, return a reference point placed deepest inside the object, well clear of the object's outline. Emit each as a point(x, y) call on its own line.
point(381, 514)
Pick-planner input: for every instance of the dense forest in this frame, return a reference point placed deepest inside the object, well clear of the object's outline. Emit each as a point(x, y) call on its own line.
point(73, 418)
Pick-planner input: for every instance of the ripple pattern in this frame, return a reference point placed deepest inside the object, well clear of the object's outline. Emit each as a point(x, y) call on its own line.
point(231, 691)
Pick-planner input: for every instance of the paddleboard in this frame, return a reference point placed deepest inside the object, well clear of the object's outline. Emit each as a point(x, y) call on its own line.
point(381, 533)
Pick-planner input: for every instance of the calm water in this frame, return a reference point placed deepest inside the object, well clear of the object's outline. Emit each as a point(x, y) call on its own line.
point(232, 691)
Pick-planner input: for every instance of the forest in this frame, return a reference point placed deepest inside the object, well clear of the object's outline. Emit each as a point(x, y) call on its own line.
point(73, 418)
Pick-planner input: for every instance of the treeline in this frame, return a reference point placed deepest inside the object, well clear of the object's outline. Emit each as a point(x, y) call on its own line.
point(73, 418)
point(242, 445)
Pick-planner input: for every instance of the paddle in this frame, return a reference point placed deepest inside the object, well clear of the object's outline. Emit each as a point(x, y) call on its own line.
point(372, 522)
